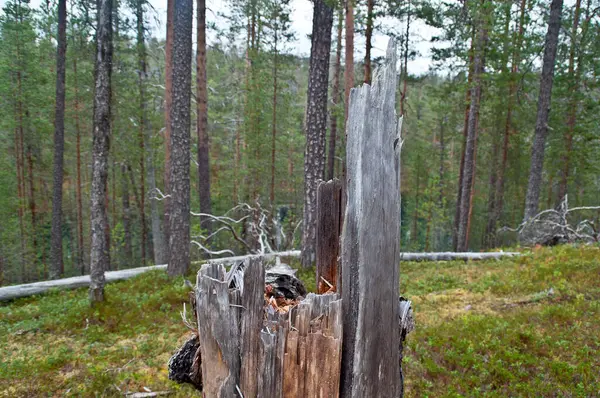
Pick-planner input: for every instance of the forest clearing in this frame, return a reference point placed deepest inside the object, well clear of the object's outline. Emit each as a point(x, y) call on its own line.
point(528, 326)
point(427, 167)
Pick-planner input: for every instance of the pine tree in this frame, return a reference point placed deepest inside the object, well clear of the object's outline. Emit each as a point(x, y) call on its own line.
point(316, 123)
point(100, 250)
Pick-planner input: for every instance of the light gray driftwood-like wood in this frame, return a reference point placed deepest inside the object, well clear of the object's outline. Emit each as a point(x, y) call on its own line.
point(329, 200)
point(450, 256)
point(219, 331)
point(30, 289)
point(250, 350)
point(370, 239)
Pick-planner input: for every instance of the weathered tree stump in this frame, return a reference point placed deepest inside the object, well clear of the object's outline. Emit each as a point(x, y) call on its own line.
point(252, 352)
point(371, 240)
point(257, 343)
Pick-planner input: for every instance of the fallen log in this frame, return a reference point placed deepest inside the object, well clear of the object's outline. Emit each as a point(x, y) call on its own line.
point(30, 289)
point(451, 256)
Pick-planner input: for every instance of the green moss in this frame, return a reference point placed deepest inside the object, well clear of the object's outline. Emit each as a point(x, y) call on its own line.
point(483, 329)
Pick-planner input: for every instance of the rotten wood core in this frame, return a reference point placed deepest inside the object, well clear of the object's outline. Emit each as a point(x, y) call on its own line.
point(329, 203)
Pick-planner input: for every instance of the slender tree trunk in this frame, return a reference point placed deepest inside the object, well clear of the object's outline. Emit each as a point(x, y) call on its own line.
point(80, 248)
point(56, 255)
point(236, 171)
point(315, 123)
point(179, 228)
point(405, 67)
point(572, 107)
point(489, 237)
point(202, 125)
point(471, 144)
point(349, 55)
point(335, 97)
point(463, 151)
point(128, 253)
point(32, 204)
point(543, 111)
point(142, 123)
point(168, 106)
point(274, 121)
point(415, 221)
point(500, 181)
point(368, 38)
point(100, 247)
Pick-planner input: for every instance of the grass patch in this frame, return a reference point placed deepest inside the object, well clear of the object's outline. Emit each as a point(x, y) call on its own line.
point(514, 327)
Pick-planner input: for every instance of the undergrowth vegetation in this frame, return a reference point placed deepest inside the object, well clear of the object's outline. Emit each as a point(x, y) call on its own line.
point(528, 326)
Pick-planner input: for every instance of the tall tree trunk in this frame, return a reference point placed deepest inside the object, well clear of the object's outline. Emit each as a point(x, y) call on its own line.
point(543, 111)
point(168, 106)
point(349, 55)
point(202, 125)
point(142, 122)
point(368, 38)
point(315, 123)
point(489, 237)
point(56, 255)
point(572, 108)
point(32, 204)
point(464, 147)
point(471, 144)
point(100, 246)
point(128, 253)
point(179, 217)
point(80, 248)
point(274, 119)
point(405, 67)
point(500, 181)
point(415, 220)
point(335, 97)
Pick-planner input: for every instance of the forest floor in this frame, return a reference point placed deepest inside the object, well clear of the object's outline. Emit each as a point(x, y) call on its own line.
point(515, 327)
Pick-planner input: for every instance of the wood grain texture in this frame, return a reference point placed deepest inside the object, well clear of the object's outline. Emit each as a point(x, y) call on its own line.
point(370, 239)
point(329, 199)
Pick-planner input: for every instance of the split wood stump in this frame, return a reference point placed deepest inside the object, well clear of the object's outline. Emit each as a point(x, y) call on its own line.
point(347, 343)
point(252, 352)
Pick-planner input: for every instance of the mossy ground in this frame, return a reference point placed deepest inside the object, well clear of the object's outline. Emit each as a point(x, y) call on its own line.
point(515, 327)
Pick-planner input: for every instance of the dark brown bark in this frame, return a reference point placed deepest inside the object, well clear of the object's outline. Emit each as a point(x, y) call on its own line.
point(335, 97)
point(543, 111)
point(56, 255)
point(168, 106)
point(368, 38)
point(329, 207)
point(572, 107)
point(471, 144)
point(100, 246)
point(202, 125)
point(179, 216)
point(315, 123)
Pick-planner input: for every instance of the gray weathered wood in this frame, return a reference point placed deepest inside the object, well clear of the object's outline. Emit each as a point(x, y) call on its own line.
point(30, 289)
point(370, 240)
point(248, 349)
point(329, 198)
point(252, 319)
point(450, 256)
point(218, 329)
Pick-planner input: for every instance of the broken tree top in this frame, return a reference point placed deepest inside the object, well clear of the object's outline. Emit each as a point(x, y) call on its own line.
point(370, 239)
